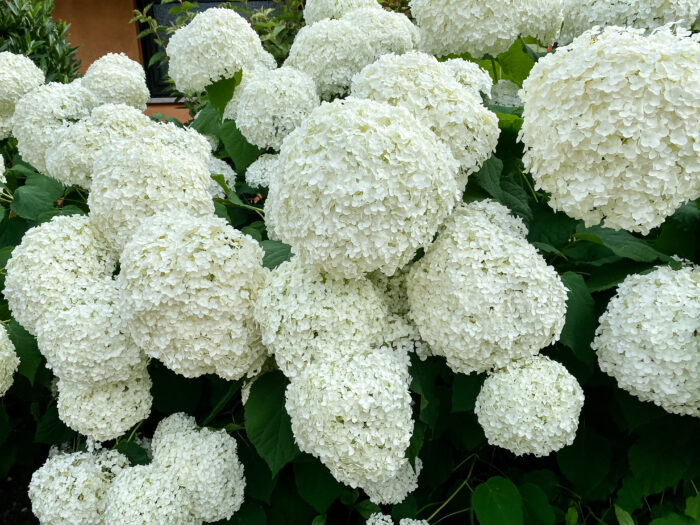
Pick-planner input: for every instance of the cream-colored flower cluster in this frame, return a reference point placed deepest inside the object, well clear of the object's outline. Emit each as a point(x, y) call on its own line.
point(611, 126)
point(8, 361)
point(316, 10)
point(18, 76)
point(648, 339)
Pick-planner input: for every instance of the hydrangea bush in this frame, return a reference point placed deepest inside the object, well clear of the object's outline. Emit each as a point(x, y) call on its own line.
point(423, 270)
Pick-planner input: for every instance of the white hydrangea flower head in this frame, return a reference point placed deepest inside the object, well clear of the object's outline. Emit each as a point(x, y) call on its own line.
point(146, 174)
point(190, 285)
point(71, 157)
point(220, 167)
point(215, 45)
point(104, 411)
point(305, 314)
point(379, 519)
point(448, 26)
point(271, 104)
point(541, 19)
point(145, 494)
point(18, 76)
point(354, 414)
point(40, 113)
point(582, 15)
point(482, 295)
point(259, 172)
point(470, 75)
point(438, 100)
point(648, 339)
point(116, 79)
point(71, 489)
point(333, 51)
point(95, 345)
point(51, 267)
point(631, 158)
point(409, 521)
point(395, 490)
point(205, 463)
point(505, 93)
point(399, 170)
point(531, 406)
point(316, 10)
point(8, 361)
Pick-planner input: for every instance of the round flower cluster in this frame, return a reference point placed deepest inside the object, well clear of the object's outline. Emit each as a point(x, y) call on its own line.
point(220, 167)
point(18, 76)
point(448, 26)
point(71, 157)
point(71, 489)
point(261, 171)
point(384, 519)
point(505, 93)
point(582, 15)
point(353, 412)
point(271, 104)
point(189, 285)
point(470, 75)
point(648, 338)
point(316, 10)
point(333, 51)
point(432, 94)
point(399, 170)
point(531, 406)
point(395, 490)
point(306, 315)
point(215, 45)
point(160, 169)
point(482, 295)
point(116, 79)
point(8, 361)
point(630, 155)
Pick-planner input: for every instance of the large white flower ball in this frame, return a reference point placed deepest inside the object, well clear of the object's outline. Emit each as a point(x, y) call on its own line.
point(648, 338)
point(8, 361)
point(611, 126)
point(354, 414)
point(482, 295)
point(215, 45)
point(531, 406)
point(190, 284)
point(305, 314)
point(18, 76)
point(116, 79)
point(316, 10)
point(360, 186)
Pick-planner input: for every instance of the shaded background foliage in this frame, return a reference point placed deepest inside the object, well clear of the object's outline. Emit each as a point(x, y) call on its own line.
point(631, 461)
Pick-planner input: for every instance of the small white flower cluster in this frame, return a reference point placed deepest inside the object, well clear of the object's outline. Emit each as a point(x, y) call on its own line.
point(648, 338)
point(630, 157)
point(260, 172)
point(582, 15)
point(270, 104)
point(470, 75)
point(482, 296)
point(384, 519)
point(333, 51)
point(215, 45)
point(71, 489)
point(18, 76)
point(531, 406)
point(316, 10)
point(505, 93)
point(41, 112)
point(399, 169)
point(395, 490)
point(432, 93)
point(448, 26)
point(8, 361)
point(220, 167)
point(189, 285)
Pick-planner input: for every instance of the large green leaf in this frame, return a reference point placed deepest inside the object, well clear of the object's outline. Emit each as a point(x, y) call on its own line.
point(29, 202)
point(465, 388)
point(276, 253)
point(623, 517)
point(581, 322)
point(498, 502)
point(267, 423)
point(242, 153)
point(622, 244)
point(503, 188)
point(315, 483)
point(27, 350)
point(515, 63)
point(136, 453)
point(51, 430)
point(221, 92)
point(659, 459)
point(537, 509)
point(586, 462)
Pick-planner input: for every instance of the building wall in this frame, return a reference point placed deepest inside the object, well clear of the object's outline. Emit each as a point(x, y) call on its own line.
point(99, 27)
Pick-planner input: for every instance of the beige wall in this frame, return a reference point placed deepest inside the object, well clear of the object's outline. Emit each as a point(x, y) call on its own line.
point(99, 27)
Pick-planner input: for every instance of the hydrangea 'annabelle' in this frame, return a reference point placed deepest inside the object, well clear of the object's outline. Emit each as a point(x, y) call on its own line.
point(316, 10)
point(116, 79)
point(395, 490)
point(260, 172)
point(8, 361)
point(18, 76)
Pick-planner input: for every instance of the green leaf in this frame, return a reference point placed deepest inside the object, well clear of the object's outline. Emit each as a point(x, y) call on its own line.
point(366, 508)
point(236, 201)
point(172, 392)
point(29, 202)
point(276, 253)
point(672, 519)
point(622, 244)
point(629, 497)
point(516, 63)
point(5, 425)
point(267, 423)
point(424, 377)
point(571, 517)
point(250, 513)
point(536, 508)
point(416, 443)
point(25, 345)
point(221, 92)
point(658, 460)
point(610, 275)
point(623, 517)
point(586, 462)
point(465, 388)
point(692, 507)
point(503, 188)
point(315, 483)
point(137, 454)
point(48, 184)
point(242, 153)
point(207, 121)
point(581, 323)
point(259, 480)
point(51, 430)
point(498, 502)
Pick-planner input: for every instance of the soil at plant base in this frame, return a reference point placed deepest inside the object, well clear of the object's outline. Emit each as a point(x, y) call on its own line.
point(15, 507)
